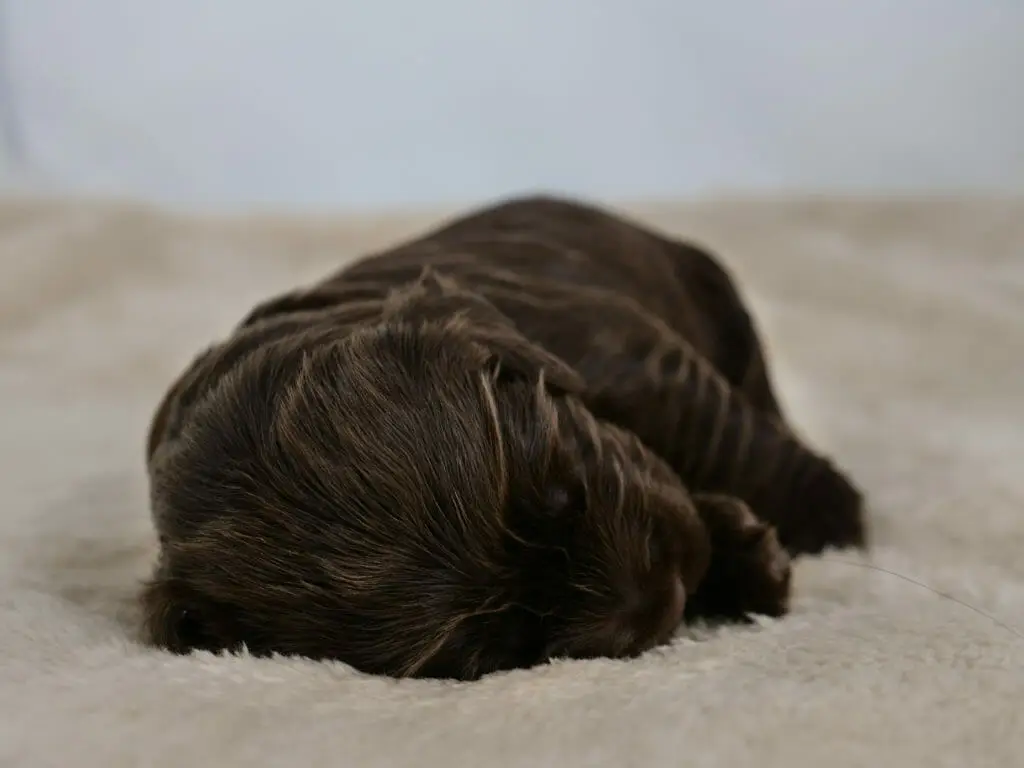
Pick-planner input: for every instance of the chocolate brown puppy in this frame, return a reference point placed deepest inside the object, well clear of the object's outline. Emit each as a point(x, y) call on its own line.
point(538, 430)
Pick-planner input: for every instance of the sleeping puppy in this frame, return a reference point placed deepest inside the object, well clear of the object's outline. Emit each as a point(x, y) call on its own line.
point(540, 430)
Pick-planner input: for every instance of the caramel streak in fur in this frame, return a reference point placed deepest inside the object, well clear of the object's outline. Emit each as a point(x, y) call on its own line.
point(711, 450)
point(691, 446)
point(486, 387)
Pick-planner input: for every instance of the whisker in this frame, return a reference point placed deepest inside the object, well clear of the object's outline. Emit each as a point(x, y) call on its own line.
point(940, 593)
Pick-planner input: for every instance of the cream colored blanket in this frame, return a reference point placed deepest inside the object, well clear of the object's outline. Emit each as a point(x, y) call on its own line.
point(898, 329)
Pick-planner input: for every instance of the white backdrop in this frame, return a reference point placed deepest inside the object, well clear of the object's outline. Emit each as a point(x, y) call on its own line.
point(381, 102)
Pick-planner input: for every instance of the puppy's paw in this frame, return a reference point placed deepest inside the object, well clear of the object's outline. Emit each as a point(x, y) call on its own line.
point(762, 566)
point(828, 512)
point(750, 570)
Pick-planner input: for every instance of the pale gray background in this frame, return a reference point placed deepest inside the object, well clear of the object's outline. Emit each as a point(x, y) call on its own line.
point(357, 103)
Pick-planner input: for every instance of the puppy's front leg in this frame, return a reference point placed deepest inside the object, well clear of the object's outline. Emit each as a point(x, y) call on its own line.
point(749, 571)
point(647, 379)
point(687, 412)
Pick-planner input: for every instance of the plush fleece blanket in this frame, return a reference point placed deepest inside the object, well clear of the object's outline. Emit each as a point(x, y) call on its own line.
point(898, 332)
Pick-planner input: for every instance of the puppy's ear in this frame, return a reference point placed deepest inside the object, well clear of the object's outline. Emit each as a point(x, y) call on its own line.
point(434, 283)
point(439, 298)
point(165, 419)
point(428, 297)
point(512, 356)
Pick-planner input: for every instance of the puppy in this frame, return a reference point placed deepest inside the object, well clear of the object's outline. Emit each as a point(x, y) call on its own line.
point(540, 430)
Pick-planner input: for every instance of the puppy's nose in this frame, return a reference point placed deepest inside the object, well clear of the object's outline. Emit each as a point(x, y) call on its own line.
point(659, 613)
point(672, 614)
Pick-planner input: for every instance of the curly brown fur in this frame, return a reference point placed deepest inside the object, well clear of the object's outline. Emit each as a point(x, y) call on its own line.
point(475, 452)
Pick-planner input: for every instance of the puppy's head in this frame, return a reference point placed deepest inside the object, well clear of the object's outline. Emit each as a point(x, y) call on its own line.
point(426, 497)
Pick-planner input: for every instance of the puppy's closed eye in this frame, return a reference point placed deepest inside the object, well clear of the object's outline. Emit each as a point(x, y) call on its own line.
point(557, 499)
point(190, 630)
point(661, 553)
